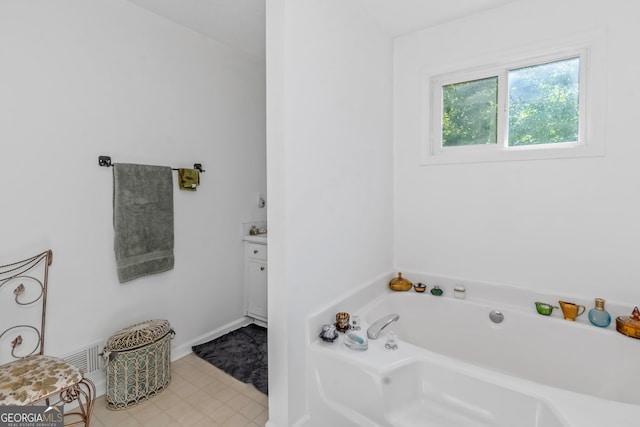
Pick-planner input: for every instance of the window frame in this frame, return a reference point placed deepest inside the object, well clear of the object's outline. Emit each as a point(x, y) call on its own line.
point(591, 93)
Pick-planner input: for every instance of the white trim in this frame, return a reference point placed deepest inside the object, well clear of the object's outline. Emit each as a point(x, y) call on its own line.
point(185, 349)
point(589, 47)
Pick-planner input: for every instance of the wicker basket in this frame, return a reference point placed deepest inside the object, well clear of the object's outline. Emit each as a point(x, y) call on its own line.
point(138, 363)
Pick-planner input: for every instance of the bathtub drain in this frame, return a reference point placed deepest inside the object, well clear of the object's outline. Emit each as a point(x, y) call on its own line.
point(496, 316)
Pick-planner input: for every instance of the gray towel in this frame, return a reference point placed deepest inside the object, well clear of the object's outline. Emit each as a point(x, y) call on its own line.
point(142, 219)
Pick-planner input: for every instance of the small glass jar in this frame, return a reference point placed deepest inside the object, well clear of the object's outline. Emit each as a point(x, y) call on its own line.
point(342, 321)
point(391, 341)
point(355, 322)
point(437, 291)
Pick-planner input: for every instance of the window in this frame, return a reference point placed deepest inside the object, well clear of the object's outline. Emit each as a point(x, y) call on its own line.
point(470, 113)
point(521, 108)
point(544, 105)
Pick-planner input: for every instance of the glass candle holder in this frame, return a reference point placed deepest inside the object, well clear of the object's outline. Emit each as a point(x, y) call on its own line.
point(391, 341)
point(342, 321)
point(355, 322)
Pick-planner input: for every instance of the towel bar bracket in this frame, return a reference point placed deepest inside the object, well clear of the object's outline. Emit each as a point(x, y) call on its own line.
point(105, 161)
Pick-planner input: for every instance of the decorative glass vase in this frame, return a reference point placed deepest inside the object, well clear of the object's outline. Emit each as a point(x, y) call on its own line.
point(400, 284)
point(598, 316)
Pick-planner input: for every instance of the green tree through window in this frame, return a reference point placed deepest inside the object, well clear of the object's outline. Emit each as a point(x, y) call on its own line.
point(544, 103)
point(470, 113)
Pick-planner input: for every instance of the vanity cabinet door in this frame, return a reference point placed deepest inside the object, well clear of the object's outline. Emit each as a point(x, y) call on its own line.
point(256, 284)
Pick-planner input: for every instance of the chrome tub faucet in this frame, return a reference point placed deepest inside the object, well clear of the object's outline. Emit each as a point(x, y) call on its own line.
point(374, 330)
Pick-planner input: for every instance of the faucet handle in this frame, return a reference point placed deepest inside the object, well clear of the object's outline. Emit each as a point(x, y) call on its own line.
point(328, 333)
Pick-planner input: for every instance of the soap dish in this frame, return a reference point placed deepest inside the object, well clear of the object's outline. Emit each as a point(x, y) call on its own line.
point(356, 342)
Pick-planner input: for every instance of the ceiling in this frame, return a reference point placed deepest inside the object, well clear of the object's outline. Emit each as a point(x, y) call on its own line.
point(400, 17)
point(241, 23)
point(238, 23)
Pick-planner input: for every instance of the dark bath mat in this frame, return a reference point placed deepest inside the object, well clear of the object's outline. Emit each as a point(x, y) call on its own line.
point(241, 353)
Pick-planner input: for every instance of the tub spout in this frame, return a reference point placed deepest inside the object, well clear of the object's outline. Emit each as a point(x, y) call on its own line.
point(374, 330)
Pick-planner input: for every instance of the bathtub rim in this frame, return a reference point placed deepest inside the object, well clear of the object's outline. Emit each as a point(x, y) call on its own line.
point(359, 298)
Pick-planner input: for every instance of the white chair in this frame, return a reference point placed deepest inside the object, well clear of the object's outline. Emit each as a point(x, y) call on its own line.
point(31, 377)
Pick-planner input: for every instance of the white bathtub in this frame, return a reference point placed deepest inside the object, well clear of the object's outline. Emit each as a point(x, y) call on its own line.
point(456, 368)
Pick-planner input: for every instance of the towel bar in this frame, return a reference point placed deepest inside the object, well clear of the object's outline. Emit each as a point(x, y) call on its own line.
point(105, 161)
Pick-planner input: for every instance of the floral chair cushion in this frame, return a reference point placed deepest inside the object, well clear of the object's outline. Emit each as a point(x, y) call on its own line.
point(32, 378)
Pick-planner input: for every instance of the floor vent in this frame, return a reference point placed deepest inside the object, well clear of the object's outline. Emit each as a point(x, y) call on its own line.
point(88, 359)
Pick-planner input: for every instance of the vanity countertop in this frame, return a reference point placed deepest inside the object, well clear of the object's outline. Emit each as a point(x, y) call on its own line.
point(256, 238)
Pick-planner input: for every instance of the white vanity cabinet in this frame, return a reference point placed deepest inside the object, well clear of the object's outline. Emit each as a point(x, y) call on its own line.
point(256, 277)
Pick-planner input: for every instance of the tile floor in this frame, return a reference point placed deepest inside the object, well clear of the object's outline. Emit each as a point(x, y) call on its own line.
point(199, 395)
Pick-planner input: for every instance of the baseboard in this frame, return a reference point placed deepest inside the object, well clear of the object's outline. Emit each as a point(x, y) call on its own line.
point(259, 322)
point(185, 349)
point(101, 388)
point(99, 382)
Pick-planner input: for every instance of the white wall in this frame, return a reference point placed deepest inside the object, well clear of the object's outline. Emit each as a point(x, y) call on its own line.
point(569, 226)
point(556, 225)
point(80, 79)
point(330, 174)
